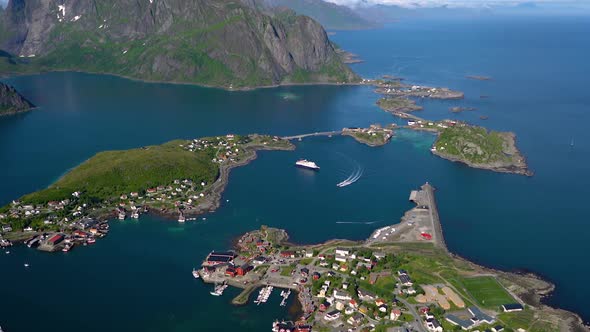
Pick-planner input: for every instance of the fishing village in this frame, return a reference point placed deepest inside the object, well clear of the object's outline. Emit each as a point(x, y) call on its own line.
point(402, 278)
point(56, 219)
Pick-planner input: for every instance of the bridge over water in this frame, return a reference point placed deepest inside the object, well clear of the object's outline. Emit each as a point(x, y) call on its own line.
point(323, 133)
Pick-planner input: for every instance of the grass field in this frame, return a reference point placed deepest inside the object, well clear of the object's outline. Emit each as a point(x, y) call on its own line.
point(521, 319)
point(474, 144)
point(287, 270)
point(487, 291)
point(112, 173)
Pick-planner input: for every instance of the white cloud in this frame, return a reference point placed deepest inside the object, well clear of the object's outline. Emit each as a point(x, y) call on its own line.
point(455, 3)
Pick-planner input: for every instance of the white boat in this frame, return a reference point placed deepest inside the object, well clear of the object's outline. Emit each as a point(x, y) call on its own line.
point(285, 295)
point(196, 274)
point(263, 295)
point(304, 163)
point(218, 291)
point(181, 218)
point(26, 264)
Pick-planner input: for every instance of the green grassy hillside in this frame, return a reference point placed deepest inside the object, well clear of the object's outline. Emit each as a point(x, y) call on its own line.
point(112, 173)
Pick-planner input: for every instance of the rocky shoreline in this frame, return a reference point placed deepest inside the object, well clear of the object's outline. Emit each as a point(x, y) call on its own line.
point(517, 167)
point(212, 200)
point(527, 289)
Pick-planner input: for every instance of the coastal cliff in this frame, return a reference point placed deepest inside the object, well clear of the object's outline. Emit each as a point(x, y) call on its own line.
point(12, 102)
point(208, 42)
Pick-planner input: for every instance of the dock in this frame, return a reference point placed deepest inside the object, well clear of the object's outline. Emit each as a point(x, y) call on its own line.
point(419, 224)
point(439, 239)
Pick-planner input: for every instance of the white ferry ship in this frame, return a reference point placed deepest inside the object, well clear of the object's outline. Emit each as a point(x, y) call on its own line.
point(307, 164)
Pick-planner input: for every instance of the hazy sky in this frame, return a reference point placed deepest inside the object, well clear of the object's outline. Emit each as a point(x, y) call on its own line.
point(462, 3)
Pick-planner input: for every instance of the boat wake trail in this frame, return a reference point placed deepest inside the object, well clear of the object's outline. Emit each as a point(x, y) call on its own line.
point(352, 178)
point(357, 222)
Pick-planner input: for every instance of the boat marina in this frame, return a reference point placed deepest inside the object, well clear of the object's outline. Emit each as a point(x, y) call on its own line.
point(263, 295)
point(285, 295)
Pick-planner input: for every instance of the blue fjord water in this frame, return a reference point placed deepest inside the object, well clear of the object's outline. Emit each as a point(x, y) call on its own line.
point(139, 276)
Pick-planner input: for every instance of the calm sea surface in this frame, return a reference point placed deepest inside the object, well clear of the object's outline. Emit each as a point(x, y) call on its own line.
point(138, 278)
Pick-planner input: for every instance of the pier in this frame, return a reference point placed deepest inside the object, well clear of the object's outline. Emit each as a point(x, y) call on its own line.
point(439, 239)
point(419, 224)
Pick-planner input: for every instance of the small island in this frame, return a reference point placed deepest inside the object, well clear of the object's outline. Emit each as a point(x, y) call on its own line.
point(402, 276)
point(12, 102)
point(179, 180)
point(474, 146)
point(373, 136)
point(396, 88)
point(398, 104)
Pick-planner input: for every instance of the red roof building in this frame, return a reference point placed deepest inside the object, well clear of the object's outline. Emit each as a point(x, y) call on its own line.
point(230, 271)
point(242, 270)
point(288, 254)
point(57, 238)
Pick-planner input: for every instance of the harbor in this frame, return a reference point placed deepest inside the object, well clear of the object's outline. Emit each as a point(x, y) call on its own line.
point(379, 281)
point(257, 267)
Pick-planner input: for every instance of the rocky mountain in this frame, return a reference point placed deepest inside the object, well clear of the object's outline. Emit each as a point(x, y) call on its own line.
point(211, 42)
point(11, 101)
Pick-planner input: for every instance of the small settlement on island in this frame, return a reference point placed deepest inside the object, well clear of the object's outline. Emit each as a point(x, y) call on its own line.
point(58, 225)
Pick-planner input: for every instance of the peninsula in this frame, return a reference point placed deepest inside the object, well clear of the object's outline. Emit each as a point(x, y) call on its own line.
point(227, 44)
point(402, 276)
point(179, 179)
point(12, 102)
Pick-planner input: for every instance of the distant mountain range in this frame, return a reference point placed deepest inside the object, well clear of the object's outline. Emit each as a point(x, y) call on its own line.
point(330, 15)
point(211, 42)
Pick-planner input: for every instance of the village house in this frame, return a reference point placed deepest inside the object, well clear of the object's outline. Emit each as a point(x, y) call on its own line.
point(433, 325)
point(342, 252)
point(287, 254)
point(512, 307)
point(366, 295)
point(341, 295)
point(405, 280)
point(480, 316)
point(355, 320)
point(332, 315)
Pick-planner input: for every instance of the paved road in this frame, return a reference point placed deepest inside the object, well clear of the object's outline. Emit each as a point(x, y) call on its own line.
point(412, 309)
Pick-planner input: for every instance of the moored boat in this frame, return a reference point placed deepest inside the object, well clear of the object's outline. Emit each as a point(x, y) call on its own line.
point(218, 291)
